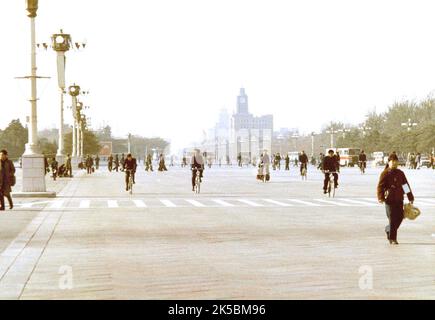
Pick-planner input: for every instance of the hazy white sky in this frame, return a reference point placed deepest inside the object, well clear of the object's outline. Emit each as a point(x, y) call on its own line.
point(167, 67)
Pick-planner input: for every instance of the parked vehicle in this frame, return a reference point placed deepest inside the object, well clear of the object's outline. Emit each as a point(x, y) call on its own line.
point(379, 158)
point(348, 156)
point(425, 161)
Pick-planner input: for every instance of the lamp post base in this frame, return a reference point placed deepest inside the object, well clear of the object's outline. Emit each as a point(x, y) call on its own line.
point(33, 174)
point(60, 158)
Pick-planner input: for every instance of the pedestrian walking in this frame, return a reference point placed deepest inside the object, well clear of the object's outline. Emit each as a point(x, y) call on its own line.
point(116, 163)
point(110, 163)
point(122, 162)
point(89, 164)
point(391, 188)
point(7, 180)
point(162, 166)
point(68, 166)
point(287, 162)
point(97, 162)
point(54, 168)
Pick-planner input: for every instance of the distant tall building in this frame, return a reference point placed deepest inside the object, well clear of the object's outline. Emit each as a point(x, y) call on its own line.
point(239, 133)
point(249, 135)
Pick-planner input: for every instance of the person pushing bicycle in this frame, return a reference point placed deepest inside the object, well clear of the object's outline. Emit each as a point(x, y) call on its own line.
point(330, 165)
point(197, 164)
point(130, 165)
point(303, 159)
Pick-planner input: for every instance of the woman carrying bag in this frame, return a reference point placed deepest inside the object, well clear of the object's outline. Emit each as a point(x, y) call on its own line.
point(391, 188)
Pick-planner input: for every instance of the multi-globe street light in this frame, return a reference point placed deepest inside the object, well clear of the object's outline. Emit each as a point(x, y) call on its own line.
point(332, 131)
point(365, 128)
point(409, 124)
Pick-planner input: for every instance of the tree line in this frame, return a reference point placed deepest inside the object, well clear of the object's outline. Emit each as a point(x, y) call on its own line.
point(15, 136)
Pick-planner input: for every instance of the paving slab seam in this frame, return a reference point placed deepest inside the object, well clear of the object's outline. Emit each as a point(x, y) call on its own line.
point(10, 288)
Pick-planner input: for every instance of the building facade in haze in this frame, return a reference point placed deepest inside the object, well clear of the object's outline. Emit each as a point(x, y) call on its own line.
point(241, 132)
point(249, 135)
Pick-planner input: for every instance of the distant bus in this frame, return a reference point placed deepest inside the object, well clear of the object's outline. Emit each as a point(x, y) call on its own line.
point(348, 156)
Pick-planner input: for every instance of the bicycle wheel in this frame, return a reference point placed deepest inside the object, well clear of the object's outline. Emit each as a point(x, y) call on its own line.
point(329, 188)
point(333, 192)
point(130, 185)
point(197, 186)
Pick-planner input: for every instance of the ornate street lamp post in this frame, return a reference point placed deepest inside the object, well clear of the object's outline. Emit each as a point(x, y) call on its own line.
point(313, 134)
point(61, 43)
point(74, 92)
point(33, 160)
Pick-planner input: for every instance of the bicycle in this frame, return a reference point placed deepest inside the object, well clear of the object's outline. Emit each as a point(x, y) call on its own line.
point(331, 184)
point(130, 180)
point(197, 187)
point(362, 167)
point(304, 172)
point(263, 176)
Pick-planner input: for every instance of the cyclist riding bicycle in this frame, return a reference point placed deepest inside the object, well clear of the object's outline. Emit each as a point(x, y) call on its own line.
point(197, 164)
point(362, 158)
point(130, 165)
point(303, 159)
point(330, 165)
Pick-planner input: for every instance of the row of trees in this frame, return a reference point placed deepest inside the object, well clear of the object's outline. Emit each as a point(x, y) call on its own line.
point(380, 132)
point(387, 133)
point(139, 145)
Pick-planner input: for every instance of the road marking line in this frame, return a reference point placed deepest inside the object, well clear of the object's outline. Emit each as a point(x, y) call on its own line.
point(281, 204)
point(140, 203)
point(426, 200)
point(84, 204)
point(31, 204)
point(195, 203)
point(168, 203)
point(223, 203)
point(359, 202)
point(57, 204)
point(251, 203)
point(334, 203)
point(112, 204)
point(371, 199)
point(307, 203)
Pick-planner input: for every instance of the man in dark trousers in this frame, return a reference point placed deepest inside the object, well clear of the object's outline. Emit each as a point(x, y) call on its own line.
point(89, 164)
point(110, 163)
point(97, 162)
point(54, 168)
point(130, 165)
point(7, 179)
point(122, 162)
point(329, 166)
point(391, 188)
point(116, 163)
point(68, 166)
point(303, 159)
point(287, 162)
point(239, 159)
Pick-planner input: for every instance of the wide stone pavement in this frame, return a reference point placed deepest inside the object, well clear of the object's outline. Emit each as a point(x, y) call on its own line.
point(238, 239)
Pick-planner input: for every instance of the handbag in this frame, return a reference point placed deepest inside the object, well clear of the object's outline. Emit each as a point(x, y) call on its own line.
point(410, 211)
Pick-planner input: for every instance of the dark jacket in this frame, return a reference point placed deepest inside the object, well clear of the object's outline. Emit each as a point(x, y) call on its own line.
point(7, 172)
point(330, 164)
point(391, 186)
point(303, 158)
point(130, 164)
point(362, 157)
